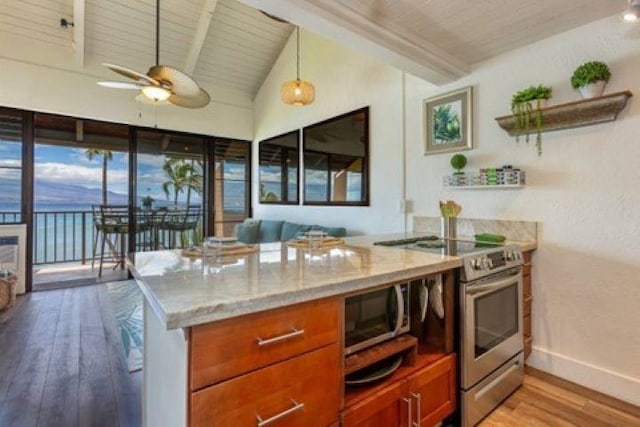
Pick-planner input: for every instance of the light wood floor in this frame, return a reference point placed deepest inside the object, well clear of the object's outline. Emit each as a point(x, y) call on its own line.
point(547, 401)
point(62, 364)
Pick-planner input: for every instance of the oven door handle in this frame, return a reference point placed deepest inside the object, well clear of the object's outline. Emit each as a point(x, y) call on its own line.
point(490, 287)
point(400, 301)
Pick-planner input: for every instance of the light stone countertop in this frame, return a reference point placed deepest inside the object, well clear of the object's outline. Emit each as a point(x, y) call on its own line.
point(185, 291)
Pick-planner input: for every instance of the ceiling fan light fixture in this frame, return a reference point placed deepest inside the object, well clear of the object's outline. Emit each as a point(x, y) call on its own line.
point(297, 92)
point(632, 13)
point(156, 93)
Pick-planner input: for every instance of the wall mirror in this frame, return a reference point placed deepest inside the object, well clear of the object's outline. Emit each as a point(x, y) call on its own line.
point(336, 160)
point(279, 169)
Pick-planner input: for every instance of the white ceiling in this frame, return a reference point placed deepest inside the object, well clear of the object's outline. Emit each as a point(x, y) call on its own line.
point(229, 44)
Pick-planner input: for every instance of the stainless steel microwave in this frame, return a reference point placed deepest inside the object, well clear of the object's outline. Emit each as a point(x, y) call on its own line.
point(376, 316)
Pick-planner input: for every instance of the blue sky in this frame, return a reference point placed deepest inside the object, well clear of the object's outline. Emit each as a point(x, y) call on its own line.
point(70, 166)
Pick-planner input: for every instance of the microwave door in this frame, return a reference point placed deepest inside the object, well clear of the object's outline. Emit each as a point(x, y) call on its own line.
point(371, 318)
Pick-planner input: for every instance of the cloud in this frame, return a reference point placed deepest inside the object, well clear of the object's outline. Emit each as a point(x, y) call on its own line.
point(10, 163)
point(76, 174)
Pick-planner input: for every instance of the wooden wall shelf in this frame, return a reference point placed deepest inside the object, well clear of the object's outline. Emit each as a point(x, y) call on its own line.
point(585, 112)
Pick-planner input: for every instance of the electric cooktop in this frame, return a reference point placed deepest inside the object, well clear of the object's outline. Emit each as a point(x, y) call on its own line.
point(435, 244)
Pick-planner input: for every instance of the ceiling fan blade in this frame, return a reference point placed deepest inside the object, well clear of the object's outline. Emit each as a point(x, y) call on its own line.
point(134, 75)
point(198, 101)
point(121, 85)
point(181, 84)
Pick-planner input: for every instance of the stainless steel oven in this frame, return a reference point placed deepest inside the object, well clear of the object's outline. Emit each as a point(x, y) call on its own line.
point(492, 323)
point(491, 342)
point(375, 316)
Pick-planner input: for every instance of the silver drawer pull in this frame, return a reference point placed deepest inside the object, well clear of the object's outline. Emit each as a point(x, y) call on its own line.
point(296, 407)
point(418, 398)
point(408, 402)
point(294, 333)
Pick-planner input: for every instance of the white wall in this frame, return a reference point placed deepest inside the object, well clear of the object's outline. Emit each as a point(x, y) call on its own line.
point(60, 88)
point(583, 189)
point(344, 81)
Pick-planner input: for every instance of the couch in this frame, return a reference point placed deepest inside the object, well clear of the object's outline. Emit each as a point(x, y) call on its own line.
point(265, 230)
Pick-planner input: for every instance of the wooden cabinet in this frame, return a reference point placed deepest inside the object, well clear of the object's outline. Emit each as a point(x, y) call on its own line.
point(301, 391)
point(387, 407)
point(527, 300)
point(425, 393)
point(279, 367)
point(433, 390)
point(232, 347)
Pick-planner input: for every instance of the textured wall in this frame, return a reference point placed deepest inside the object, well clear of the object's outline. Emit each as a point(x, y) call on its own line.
point(583, 190)
point(344, 81)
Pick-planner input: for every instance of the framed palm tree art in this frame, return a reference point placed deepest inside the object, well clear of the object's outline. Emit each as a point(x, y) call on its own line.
point(448, 122)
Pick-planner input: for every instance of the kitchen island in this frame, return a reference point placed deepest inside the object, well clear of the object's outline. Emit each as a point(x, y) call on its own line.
point(200, 315)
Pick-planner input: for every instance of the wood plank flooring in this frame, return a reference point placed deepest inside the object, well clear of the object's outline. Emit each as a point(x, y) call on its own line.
point(547, 401)
point(61, 363)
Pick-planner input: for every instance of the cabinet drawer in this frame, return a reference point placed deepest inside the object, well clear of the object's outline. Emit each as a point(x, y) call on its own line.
point(225, 349)
point(303, 390)
point(434, 390)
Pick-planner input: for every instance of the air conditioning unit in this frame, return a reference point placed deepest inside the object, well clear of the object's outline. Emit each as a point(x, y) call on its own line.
point(12, 251)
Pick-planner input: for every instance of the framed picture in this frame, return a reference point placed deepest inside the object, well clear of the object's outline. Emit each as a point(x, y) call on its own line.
point(448, 123)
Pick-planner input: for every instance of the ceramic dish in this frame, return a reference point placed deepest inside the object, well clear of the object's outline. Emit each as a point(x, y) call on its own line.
point(374, 372)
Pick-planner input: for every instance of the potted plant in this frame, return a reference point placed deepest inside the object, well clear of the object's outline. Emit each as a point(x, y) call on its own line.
point(590, 78)
point(458, 162)
point(522, 107)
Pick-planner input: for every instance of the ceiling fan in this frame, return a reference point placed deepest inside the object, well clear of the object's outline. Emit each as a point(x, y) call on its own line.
point(161, 83)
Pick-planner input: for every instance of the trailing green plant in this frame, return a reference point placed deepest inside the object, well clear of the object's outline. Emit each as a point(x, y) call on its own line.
point(523, 112)
point(590, 72)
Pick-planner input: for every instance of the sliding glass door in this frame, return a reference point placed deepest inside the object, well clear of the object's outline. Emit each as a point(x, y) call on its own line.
point(170, 198)
point(11, 125)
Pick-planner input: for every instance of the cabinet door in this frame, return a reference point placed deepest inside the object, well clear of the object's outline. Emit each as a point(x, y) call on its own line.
point(303, 391)
point(433, 390)
point(386, 408)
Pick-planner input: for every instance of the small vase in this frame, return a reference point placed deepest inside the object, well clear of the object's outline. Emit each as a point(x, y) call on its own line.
point(592, 90)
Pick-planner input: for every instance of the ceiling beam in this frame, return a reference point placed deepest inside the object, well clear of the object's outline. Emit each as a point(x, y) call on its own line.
point(331, 20)
point(200, 35)
point(78, 31)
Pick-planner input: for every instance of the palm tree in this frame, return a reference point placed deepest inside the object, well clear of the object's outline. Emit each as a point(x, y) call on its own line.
point(446, 124)
point(180, 176)
point(106, 156)
point(195, 179)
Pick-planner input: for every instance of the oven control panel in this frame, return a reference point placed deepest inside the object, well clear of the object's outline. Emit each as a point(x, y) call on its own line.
point(480, 264)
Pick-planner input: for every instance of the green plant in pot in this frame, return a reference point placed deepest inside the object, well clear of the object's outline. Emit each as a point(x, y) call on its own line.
point(590, 78)
point(458, 162)
point(522, 107)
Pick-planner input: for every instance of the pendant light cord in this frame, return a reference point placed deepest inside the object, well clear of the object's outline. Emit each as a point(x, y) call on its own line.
point(157, 32)
point(297, 53)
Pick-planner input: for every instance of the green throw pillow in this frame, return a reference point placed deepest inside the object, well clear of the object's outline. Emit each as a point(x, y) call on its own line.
point(249, 231)
point(270, 231)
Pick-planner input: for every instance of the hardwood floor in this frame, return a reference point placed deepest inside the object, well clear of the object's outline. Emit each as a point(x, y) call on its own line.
point(61, 363)
point(547, 401)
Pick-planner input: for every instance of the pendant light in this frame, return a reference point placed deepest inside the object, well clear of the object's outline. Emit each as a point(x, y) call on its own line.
point(297, 92)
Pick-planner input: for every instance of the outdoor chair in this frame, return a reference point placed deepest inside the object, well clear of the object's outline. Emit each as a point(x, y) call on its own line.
point(182, 221)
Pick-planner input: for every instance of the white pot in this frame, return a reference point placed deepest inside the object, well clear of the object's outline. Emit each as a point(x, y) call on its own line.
point(592, 90)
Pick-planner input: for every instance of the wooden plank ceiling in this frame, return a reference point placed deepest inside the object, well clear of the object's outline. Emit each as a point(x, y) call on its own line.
point(228, 44)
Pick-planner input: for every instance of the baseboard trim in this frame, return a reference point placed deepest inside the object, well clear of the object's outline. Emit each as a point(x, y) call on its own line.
point(602, 380)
